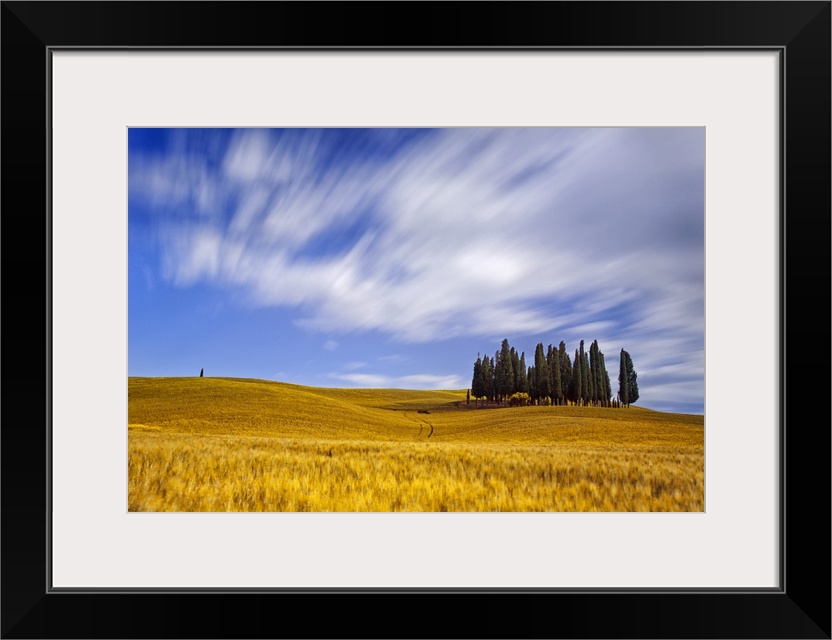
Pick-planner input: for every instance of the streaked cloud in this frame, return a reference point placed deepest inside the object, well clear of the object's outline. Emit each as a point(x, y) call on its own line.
point(414, 381)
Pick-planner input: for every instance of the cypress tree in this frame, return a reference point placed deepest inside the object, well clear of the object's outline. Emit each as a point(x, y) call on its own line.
point(587, 380)
point(486, 378)
point(607, 387)
point(623, 385)
point(632, 380)
point(532, 378)
point(550, 363)
point(596, 365)
point(522, 380)
point(557, 381)
point(541, 372)
point(476, 381)
point(576, 379)
point(586, 388)
point(494, 376)
point(516, 372)
point(565, 370)
point(505, 372)
point(593, 374)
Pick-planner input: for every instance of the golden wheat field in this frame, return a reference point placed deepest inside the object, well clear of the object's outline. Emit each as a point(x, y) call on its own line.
point(222, 444)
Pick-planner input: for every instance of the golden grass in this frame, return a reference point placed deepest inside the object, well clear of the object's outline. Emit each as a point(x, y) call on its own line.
point(208, 444)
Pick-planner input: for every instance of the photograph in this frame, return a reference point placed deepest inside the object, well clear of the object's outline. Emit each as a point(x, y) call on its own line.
point(469, 319)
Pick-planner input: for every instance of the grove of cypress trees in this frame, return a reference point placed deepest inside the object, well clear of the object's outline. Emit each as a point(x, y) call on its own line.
point(554, 377)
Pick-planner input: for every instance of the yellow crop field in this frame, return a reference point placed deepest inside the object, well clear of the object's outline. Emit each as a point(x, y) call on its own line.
point(222, 444)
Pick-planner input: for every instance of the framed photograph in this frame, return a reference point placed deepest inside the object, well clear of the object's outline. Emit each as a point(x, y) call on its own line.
point(145, 164)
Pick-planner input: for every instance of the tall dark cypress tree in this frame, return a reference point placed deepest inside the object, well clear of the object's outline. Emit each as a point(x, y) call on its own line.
point(586, 380)
point(476, 381)
point(516, 371)
point(576, 387)
point(607, 395)
point(495, 376)
point(609, 387)
point(553, 358)
point(632, 380)
point(505, 372)
point(541, 372)
point(623, 384)
point(593, 374)
point(633, 387)
point(549, 363)
point(532, 378)
point(597, 369)
point(522, 380)
point(487, 388)
point(565, 371)
point(495, 396)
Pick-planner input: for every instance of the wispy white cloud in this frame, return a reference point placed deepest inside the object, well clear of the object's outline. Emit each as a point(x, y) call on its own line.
point(395, 357)
point(430, 381)
point(364, 379)
point(414, 381)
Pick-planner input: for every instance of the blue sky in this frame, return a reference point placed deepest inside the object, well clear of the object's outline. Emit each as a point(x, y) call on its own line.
point(392, 257)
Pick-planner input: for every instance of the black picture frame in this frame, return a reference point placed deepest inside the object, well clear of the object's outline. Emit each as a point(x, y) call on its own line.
point(800, 608)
